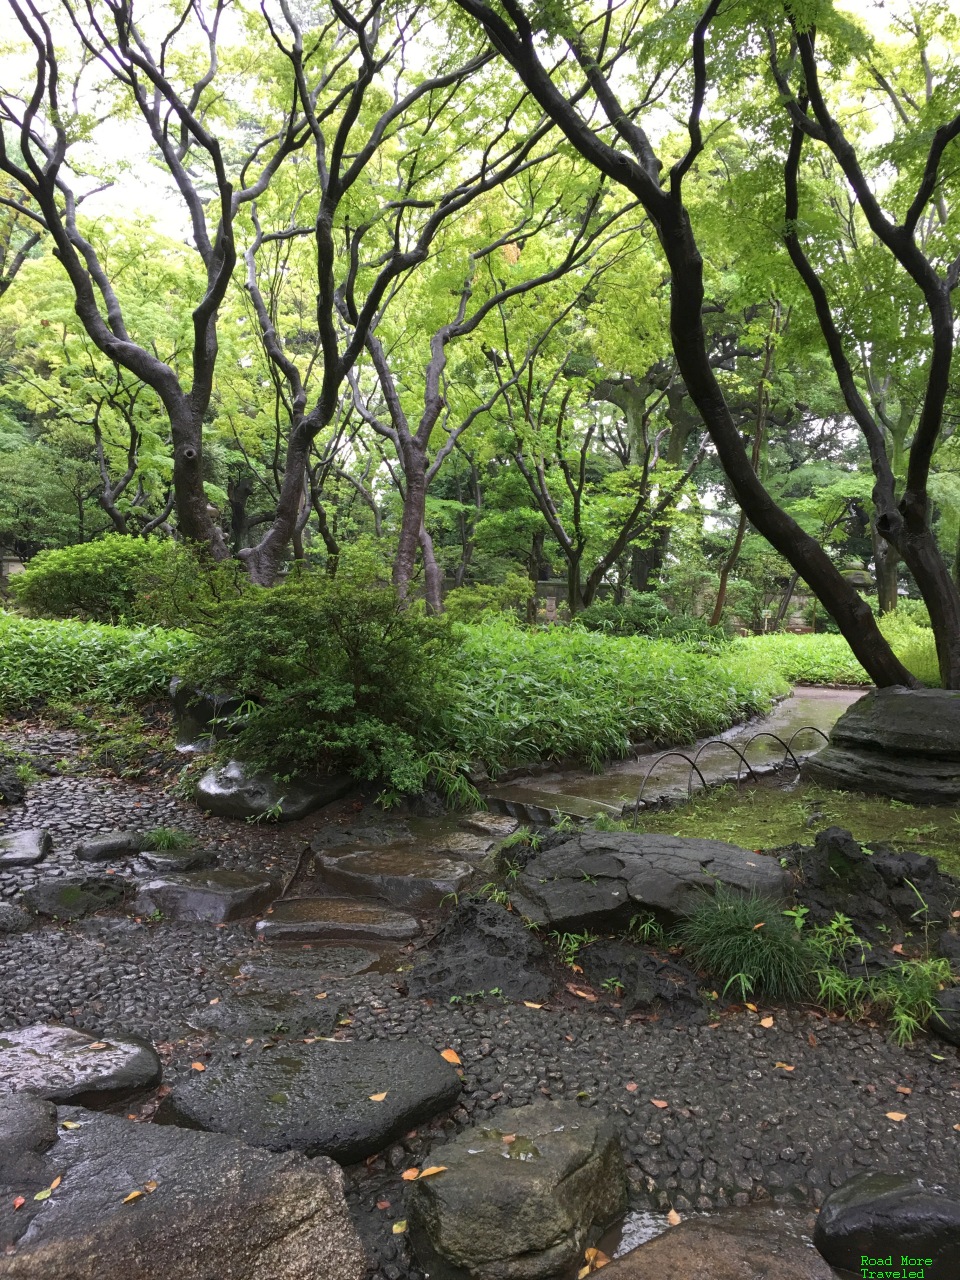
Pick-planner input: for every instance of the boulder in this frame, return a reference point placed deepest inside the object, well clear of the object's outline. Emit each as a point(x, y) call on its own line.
point(885, 1215)
point(317, 1098)
point(753, 1244)
point(24, 848)
point(949, 946)
point(482, 947)
point(945, 1019)
point(235, 791)
point(142, 1201)
point(601, 879)
point(288, 970)
point(898, 742)
point(258, 1013)
point(66, 1065)
point(12, 919)
point(363, 835)
point(70, 897)
point(496, 825)
point(520, 1209)
point(216, 896)
point(335, 920)
point(186, 858)
point(28, 1127)
point(12, 788)
point(406, 877)
point(645, 981)
point(115, 844)
point(201, 718)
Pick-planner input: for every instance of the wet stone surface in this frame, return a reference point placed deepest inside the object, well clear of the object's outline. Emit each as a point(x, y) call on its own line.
point(65, 1065)
point(335, 920)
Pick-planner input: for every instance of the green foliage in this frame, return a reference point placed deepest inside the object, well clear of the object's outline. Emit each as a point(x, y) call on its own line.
point(646, 615)
point(914, 645)
point(568, 945)
point(530, 695)
point(41, 661)
point(338, 676)
point(745, 939)
point(97, 581)
point(167, 838)
point(470, 604)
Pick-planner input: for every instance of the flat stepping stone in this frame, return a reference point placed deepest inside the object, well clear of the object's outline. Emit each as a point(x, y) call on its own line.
point(115, 844)
point(316, 1098)
point(71, 897)
point(234, 791)
point(363, 835)
point(497, 825)
point(216, 896)
point(62, 1064)
point(402, 875)
point(24, 848)
point(462, 844)
point(283, 971)
point(178, 860)
point(143, 1201)
point(268, 1013)
point(335, 920)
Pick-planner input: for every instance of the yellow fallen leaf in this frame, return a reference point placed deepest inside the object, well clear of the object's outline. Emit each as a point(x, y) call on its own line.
point(759, 926)
point(674, 1218)
point(583, 1272)
point(751, 1007)
point(434, 1168)
point(576, 968)
point(530, 1005)
point(902, 1088)
point(957, 1127)
point(659, 1102)
point(55, 1183)
point(784, 1066)
point(400, 1227)
point(584, 995)
point(379, 1097)
point(151, 1186)
point(43, 1195)
point(70, 1124)
point(955, 914)
point(216, 1000)
point(600, 1260)
point(450, 1055)
point(410, 1175)
point(896, 1115)
point(766, 1022)
point(198, 1066)
point(898, 949)
point(99, 1044)
point(134, 1195)
point(321, 995)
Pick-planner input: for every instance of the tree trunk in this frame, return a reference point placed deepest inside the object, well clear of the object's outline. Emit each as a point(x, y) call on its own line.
point(433, 578)
point(195, 522)
point(728, 566)
point(264, 562)
point(886, 559)
point(575, 585)
point(411, 523)
point(787, 597)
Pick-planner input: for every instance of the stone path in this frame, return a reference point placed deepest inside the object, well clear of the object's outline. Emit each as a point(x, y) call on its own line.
point(737, 1128)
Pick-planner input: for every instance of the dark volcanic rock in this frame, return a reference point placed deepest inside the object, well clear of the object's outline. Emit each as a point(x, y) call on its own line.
point(335, 920)
point(482, 947)
point(897, 742)
point(12, 790)
point(24, 848)
point(217, 1210)
point(12, 919)
point(403, 877)
point(115, 844)
point(188, 858)
point(234, 791)
point(201, 718)
point(28, 1126)
point(316, 1098)
point(71, 897)
point(521, 1210)
point(65, 1065)
point(216, 896)
point(600, 879)
point(752, 1244)
point(883, 1215)
point(647, 982)
point(257, 1013)
point(945, 1019)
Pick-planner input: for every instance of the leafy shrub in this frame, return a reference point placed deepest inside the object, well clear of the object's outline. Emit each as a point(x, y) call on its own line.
point(98, 581)
point(469, 604)
point(914, 645)
point(337, 673)
point(807, 659)
point(42, 661)
point(746, 941)
point(645, 614)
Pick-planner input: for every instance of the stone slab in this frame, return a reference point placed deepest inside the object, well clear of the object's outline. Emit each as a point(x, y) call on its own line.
point(216, 896)
point(335, 920)
point(24, 848)
point(62, 1064)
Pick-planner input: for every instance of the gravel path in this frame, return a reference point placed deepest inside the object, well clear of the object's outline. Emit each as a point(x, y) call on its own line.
point(736, 1128)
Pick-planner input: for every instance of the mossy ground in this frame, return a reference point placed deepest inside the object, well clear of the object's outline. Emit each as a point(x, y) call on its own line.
point(768, 817)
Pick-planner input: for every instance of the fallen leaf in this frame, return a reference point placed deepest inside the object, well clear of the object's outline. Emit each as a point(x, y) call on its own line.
point(69, 1124)
point(400, 1227)
point(896, 1115)
point(379, 1097)
point(712, 1026)
point(955, 914)
point(198, 1066)
point(957, 1127)
point(898, 949)
point(383, 1204)
point(55, 1183)
point(759, 926)
point(785, 1066)
point(249, 1040)
point(508, 1138)
point(751, 1007)
point(766, 1022)
point(131, 1115)
point(216, 1000)
point(450, 1055)
point(321, 995)
point(530, 1005)
point(583, 1272)
point(434, 1168)
point(674, 1218)
point(410, 1175)
point(151, 1186)
point(659, 1102)
point(584, 995)
point(21, 1200)
point(99, 1044)
point(134, 1195)
point(631, 1086)
point(812, 1040)
point(902, 1088)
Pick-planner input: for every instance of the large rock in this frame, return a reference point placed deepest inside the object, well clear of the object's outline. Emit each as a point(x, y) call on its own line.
point(201, 718)
point(752, 1244)
point(637, 979)
point(12, 919)
point(317, 1098)
point(405, 877)
point(881, 1215)
point(945, 1019)
point(600, 879)
point(115, 844)
point(335, 920)
point(216, 896)
point(24, 848)
point(235, 791)
point(28, 1128)
point(12, 788)
point(520, 1209)
point(204, 1207)
point(70, 897)
point(276, 1013)
point(66, 1065)
point(897, 742)
point(482, 947)
point(186, 858)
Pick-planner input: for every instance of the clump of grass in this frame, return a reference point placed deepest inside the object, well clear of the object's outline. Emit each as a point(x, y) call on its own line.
point(159, 838)
point(745, 940)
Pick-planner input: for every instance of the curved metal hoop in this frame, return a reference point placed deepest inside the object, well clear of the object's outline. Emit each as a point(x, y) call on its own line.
point(720, 742)
point(765, 733)
point(659, 760)
point(807, 728)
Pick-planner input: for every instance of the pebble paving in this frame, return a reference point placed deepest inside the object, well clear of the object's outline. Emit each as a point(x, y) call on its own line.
point(780, 1113)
